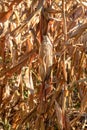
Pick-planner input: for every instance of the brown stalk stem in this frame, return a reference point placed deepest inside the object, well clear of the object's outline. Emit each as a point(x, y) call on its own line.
point(64, 20)
point(65, 40)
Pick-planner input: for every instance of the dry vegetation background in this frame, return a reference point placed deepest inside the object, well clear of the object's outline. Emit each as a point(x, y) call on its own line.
point(27, 102)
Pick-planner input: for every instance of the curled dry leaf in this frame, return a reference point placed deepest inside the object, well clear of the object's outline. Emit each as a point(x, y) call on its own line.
point(29, 81)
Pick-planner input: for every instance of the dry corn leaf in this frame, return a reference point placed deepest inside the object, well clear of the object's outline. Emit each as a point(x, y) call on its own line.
point(5, 15)
point(29, 81)
point(84, 103)
point(23, 24)
point(42, 127)
point(59, 115)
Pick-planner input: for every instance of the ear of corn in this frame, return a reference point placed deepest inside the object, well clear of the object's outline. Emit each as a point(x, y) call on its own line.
point(46, 58)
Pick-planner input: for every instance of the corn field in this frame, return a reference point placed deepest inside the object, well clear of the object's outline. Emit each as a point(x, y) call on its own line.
point(43, 64)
